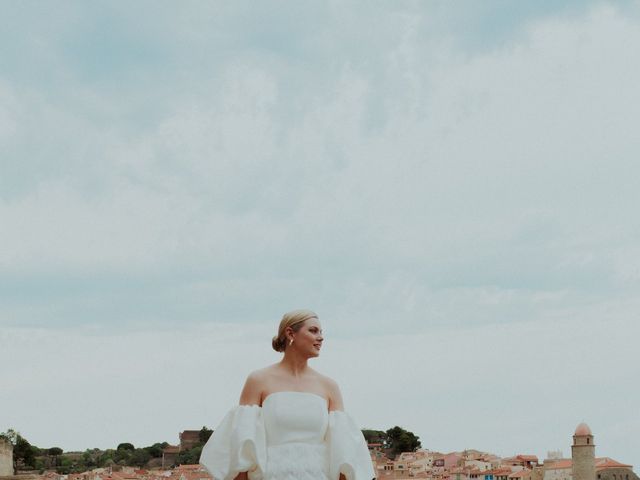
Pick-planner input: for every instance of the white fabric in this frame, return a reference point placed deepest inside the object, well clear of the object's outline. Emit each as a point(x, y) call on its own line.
point(237, 445)
point(348, 452)
point(292, 436)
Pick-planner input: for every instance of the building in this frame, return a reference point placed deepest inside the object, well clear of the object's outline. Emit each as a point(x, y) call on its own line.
point(583, 454)
point(6, 457)
point(608, 469)
point(189, 439)
point(523, 461)
point(558, 470)
point(521, 475)
point(170, 455)
point(584, 465)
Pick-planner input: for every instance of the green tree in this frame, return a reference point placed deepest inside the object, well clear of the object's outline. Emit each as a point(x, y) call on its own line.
point(400, 440)
point(140, 457)
point(89, 459)
point(10, 435)
point(65, 466)
point(190, 456)
point(39, 465)
point(24, 454)
point(122, 457)
point(123, 454)
point(204, 434)
point(52, 454)
point(107, 458)
point(375, 436)
point(155, 450)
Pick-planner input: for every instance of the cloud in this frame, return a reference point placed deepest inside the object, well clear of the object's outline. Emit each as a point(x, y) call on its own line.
point(378, 191)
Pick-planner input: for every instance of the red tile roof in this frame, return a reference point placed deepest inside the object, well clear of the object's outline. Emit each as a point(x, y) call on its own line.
point(601, 464)
point(565, 463)
point(606, 462)
point(500, 470)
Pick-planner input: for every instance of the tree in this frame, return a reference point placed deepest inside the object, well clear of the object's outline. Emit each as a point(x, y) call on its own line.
point(401, 440)
point(122, 456)
point(204, 434)
point(90, 459)
point(10, 435)
point(65, 466)
point(140, 457)
point(126, 446)
point(375, 436)
point(53, 454)
point(155, 450)
point(39, 465)
point(190, 456)
point(106, 459)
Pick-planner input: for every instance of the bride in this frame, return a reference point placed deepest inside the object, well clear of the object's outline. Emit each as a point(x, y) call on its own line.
point(290, 423)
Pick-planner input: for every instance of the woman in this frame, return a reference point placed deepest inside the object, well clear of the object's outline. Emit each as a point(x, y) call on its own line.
point(290, 424)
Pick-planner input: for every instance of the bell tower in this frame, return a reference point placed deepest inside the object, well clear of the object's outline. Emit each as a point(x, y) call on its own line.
point(583, 453)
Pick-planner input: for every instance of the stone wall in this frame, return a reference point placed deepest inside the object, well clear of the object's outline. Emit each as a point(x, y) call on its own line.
point(6, 458)
point(22, 476)
point(537, 473)
point(189, 439)
point(617, 474)
point(583, 453)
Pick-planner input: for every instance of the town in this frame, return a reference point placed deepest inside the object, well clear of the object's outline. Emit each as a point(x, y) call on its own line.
point(419, 464)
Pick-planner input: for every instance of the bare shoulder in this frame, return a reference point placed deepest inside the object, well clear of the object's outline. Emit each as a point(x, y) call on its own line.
point(333, 392)
point(254, 386)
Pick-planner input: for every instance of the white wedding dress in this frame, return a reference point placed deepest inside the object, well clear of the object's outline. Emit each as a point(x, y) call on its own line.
point(292, 436)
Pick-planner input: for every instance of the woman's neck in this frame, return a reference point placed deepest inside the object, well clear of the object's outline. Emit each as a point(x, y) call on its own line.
point(293, 363)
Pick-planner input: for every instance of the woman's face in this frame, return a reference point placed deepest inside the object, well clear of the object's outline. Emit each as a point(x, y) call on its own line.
point(308, 340)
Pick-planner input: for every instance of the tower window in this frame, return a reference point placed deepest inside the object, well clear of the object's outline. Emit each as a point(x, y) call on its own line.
point(588, 441)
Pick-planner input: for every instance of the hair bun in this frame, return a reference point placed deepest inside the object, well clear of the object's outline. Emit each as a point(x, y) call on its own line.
point(278, 344)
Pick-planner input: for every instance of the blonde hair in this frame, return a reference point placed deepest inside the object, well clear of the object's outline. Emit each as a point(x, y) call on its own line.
point(294, 319)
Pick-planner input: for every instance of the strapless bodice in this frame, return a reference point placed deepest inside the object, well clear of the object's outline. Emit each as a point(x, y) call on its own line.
point(294, 417)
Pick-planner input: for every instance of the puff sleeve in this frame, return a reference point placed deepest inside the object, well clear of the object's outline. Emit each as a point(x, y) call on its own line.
point(237, 445)
point(348, 452)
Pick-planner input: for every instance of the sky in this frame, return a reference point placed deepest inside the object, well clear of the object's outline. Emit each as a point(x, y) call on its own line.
point(453, 187)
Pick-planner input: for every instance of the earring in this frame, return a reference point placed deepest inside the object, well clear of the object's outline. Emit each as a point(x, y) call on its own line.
point(291, 342)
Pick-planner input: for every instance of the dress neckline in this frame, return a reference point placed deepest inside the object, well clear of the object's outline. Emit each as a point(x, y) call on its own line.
point(264, 400)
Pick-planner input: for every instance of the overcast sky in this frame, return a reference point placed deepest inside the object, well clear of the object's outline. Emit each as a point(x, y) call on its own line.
point(452, 187)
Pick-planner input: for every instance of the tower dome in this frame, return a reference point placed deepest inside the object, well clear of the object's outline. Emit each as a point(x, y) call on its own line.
point(583, 454)
point(583, 430)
